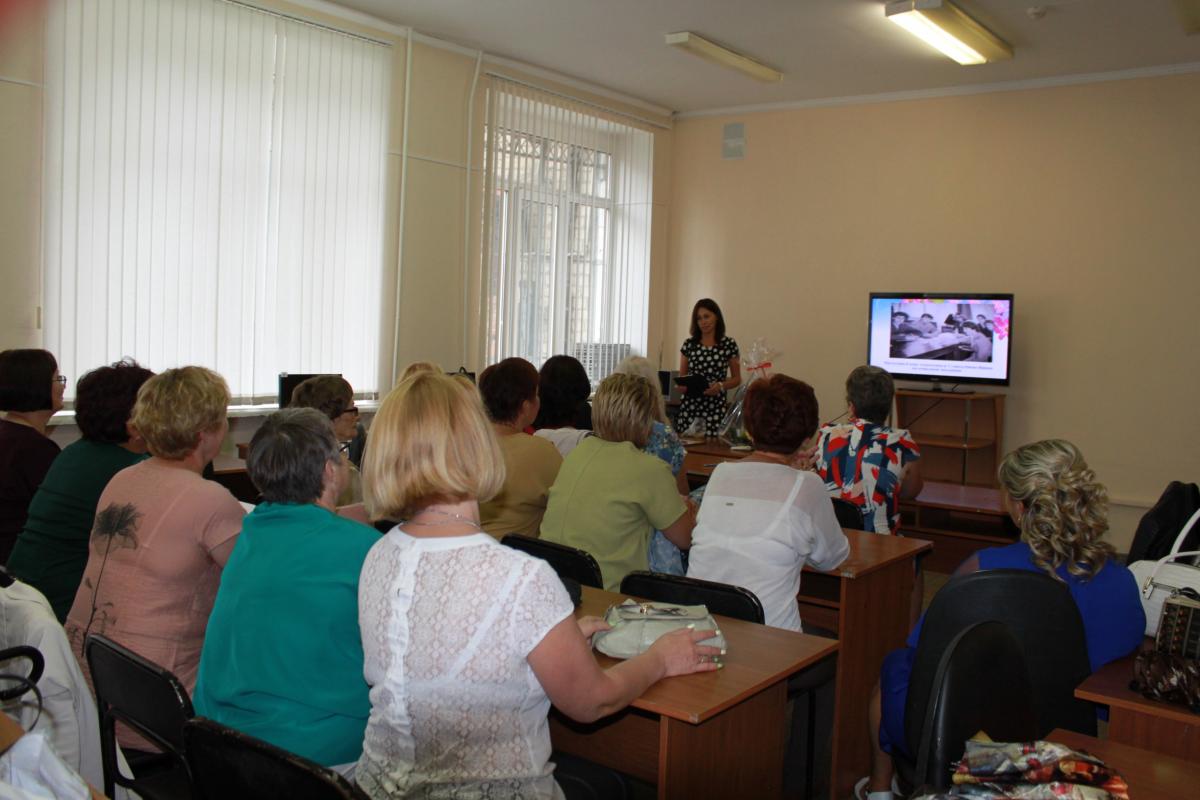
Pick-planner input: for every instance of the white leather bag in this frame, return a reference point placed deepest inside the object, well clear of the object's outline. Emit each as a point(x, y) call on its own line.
point(1158, 580)
point(636, 626)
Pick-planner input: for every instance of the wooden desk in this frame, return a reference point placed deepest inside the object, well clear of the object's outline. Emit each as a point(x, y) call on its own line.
point(713, 734)
point(702, 457)
point(866, 601)
point(1133, 720)
point(958, 520)
point(1151, 776)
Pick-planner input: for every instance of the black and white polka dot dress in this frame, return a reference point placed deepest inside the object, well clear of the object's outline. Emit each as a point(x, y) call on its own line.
point(713, 364)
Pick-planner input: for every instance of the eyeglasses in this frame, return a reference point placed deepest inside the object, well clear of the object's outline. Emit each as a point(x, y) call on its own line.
point(349, 410)
point(61, 379)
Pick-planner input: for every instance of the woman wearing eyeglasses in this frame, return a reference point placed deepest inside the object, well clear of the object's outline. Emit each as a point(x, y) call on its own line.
point(333, 396)
point(31, 390)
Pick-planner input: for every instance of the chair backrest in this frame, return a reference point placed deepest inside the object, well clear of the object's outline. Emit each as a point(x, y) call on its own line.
point(568, 562)
point(721, 598)
point(226, 763)
point(1042, 616)
point(139, 693)
point(1159, 526)
point(981, 684)
point(848, 515)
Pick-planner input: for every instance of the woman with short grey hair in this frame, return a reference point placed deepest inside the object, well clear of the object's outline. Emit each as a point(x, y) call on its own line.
point(287, 609)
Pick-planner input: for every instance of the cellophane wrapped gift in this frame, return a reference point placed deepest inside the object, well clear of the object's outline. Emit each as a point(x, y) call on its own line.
point(756, 363)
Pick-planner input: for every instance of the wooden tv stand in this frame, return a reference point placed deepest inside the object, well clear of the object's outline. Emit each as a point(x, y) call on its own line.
point(959, 433)
point(958, 520)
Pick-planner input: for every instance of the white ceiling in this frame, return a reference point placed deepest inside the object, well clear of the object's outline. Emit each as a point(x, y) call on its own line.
point(825, 48)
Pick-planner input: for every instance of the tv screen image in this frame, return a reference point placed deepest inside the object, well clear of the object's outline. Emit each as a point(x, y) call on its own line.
point(955, 338)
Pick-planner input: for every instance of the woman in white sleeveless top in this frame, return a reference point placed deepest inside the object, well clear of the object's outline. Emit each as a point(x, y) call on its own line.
point(467, 642)
point(766, 516)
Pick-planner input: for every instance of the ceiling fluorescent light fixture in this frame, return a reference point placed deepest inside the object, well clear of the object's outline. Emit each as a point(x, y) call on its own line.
point(699, 46)
point(947, 27)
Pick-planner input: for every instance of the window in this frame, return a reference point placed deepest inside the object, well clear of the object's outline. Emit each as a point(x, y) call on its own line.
point(214, 184)
point(567, 245)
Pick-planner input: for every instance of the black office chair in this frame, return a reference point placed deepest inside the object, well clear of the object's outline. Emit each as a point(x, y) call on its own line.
point(581, 779)
point(151, 701)
point(226, 763)
point(568, 562)
point(720, 598)
point(981, 684)
point(1040, 614)
point(848, 515)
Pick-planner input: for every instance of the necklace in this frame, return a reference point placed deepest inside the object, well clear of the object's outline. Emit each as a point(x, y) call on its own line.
point(454, 519)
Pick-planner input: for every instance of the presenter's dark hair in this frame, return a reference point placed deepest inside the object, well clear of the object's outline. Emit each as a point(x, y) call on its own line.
point(781, 413)
point(505, 386)
point(25, 378)
point(710, 305)
point(563, 387)
point(288, 454)
point(104, 400)
point(871, 390)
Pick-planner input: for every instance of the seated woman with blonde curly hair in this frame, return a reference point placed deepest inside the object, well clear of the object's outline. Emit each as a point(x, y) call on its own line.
point(1054, 498)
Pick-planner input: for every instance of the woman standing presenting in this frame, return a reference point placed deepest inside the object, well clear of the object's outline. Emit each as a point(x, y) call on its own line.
point(708, 352)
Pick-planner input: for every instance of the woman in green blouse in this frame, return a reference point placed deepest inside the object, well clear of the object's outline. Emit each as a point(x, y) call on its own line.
point(52, 550)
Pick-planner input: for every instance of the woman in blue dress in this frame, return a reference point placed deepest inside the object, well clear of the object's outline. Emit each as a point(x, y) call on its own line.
point(1062, 511)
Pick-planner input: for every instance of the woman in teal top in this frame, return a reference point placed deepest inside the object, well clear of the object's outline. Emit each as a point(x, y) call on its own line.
point(282, 658)
point(52, 550)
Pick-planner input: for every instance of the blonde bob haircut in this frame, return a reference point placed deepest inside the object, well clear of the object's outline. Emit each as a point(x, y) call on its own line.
point(624, 409)
point(418, 367)
point(175, 406)
point(641, 366)
point(1065, 507)
point(431, 442)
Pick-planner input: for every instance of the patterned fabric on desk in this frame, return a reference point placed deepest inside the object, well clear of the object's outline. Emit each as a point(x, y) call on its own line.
point(1033, 771)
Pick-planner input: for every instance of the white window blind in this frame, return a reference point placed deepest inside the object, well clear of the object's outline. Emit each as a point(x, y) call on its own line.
point(567, 231)
point(214, 191)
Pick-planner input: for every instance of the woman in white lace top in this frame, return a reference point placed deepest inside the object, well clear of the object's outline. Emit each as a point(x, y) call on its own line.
point(467, 642)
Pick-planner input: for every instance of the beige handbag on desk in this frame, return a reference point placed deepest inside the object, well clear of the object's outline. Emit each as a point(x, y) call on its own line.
point(636, 626)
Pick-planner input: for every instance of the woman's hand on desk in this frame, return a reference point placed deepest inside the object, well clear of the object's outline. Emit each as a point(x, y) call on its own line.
point(682, 654)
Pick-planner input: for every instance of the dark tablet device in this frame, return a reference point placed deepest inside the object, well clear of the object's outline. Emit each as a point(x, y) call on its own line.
point(695, 384)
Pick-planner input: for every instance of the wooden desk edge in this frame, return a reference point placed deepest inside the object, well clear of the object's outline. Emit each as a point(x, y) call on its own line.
point(905, 547)
point(1109, 686)
point(823, 648)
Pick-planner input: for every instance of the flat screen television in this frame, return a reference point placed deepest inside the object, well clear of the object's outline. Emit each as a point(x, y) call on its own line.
point(945, 338)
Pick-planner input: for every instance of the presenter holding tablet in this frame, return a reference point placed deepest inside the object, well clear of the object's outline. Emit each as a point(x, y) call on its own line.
point(710, 354)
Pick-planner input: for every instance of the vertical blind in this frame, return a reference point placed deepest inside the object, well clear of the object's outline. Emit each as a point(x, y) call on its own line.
point(214, 191)
point(566, 233)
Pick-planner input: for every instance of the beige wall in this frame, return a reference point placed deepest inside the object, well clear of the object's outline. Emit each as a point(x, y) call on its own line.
point(1083, 201)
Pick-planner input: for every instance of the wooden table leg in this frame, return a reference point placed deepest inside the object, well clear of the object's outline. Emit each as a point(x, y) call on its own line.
point(872, 621)
point(738, 753)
